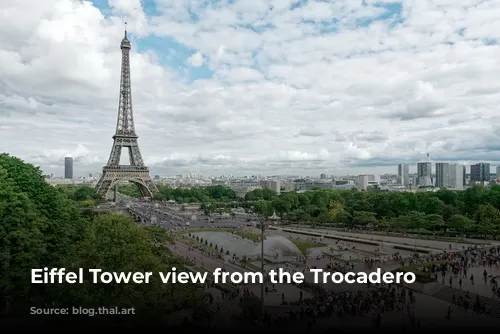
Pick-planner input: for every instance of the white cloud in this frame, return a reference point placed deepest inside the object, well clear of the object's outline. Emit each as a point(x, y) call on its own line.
point(317, 88)
point(195, 60)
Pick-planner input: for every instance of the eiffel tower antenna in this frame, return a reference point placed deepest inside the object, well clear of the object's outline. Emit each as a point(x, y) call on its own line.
point(125, 137)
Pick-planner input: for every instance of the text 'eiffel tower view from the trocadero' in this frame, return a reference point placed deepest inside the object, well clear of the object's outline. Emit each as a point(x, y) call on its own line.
point(354, 141)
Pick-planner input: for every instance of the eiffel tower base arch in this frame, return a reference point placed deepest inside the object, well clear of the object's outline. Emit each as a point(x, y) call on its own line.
point(138, 177)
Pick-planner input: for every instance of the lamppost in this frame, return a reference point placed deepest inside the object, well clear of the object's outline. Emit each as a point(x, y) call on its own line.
point(262, 286)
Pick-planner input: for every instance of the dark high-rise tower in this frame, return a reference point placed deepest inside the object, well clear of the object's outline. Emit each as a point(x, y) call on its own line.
point(480, 172)
point(68, 168)
point(126, 137)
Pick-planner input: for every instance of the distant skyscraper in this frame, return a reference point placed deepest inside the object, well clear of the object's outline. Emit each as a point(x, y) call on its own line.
point(456, 176)
point(403, 174)
point(480, 172)
point(442, 175)
point(68, 168)
point(497, 176)
point(362, 182)
point(465, 176)
point(473, 172)
point(424, 174)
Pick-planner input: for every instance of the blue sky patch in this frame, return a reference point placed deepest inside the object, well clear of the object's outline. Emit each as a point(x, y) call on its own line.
point(392, 13)
point(149, 7)
point(103, 6)
point(173, 54)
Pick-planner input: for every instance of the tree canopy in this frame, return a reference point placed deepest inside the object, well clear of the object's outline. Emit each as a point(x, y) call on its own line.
point(185, 195)
point(44, 226)
point(477, 209)
point(424, 212)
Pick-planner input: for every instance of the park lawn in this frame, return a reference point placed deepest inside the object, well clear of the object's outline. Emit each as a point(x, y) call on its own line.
point(304, 245)
point(255, 237)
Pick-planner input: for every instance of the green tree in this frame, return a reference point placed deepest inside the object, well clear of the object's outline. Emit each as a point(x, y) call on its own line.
point(22, 245)
point(364, 218)
point(382, 224)
point(281, 207)
point(431, 205)
point(488, 214)
point(61, 220)
point(434, 222)
point(342, 218)
point(461, 223)
point(43, 226)
point(130, 190)
point(487, 229)
point(115, 243)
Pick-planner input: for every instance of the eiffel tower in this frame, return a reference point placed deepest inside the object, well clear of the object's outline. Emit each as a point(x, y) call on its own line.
point(125, 137)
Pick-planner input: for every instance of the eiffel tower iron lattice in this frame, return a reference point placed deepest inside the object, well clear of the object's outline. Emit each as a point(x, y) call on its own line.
point(126, 137)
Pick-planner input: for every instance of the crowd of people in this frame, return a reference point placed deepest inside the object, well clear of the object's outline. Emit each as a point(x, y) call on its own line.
point(325, 304)
point(450, 268)
point(456, 266)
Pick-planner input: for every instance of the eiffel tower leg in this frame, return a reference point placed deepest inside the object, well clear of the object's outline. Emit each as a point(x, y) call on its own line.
point(135, 155)
point(116, 153)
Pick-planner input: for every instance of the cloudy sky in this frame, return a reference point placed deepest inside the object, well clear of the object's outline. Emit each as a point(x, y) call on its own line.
point(247, 86)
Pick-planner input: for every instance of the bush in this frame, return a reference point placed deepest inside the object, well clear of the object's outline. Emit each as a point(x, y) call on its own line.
point(418, 269)
point(319, 235)
point(359, 241)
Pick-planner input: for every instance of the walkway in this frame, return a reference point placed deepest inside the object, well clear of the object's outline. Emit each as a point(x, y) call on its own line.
point(446, 294)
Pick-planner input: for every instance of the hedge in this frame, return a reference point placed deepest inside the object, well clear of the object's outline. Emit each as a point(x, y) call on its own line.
point(319, 235)
point(411, 249)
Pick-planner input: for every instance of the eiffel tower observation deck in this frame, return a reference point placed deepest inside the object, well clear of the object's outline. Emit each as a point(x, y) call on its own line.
point(125, 137)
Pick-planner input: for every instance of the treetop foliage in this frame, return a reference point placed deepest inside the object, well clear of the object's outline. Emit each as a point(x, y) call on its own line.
point(185, 195)
point(474, 210)
point(44, 226)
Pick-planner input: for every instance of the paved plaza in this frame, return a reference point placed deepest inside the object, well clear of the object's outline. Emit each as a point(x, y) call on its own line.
point(479, 287)
point(427, 310)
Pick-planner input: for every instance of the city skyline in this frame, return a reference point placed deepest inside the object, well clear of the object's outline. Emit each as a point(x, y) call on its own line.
point(494, 170)
point(301, 95)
